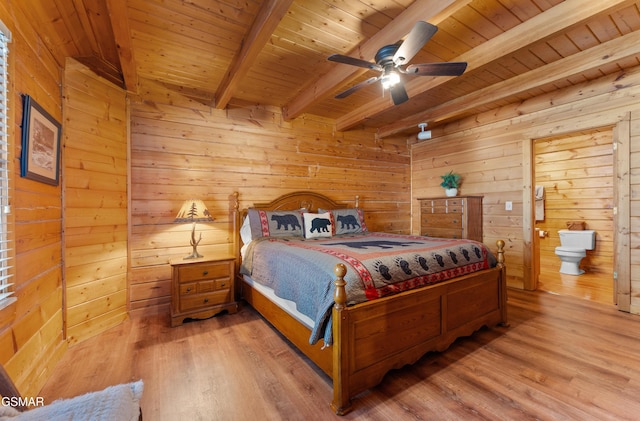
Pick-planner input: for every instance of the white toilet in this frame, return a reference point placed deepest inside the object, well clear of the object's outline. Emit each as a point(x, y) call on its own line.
point(573, 247)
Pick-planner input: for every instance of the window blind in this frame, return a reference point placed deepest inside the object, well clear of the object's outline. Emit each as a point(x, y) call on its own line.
point(6, 290)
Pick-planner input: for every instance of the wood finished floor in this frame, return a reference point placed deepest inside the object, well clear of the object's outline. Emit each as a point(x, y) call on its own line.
point(560, 358)
point(591, 286)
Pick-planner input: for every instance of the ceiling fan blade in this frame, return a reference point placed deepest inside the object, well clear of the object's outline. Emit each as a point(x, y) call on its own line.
point(417, 38)
point(339, 58)
point(455, 68)
point(357, 87)
point(399, 94)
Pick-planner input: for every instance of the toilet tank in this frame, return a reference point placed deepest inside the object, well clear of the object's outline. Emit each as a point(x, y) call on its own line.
point(585, 239)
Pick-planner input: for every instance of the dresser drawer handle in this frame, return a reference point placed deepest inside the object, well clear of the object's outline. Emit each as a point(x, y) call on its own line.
point(223, 285)
point(206, 300)
point(189, 289)
point(206, 272)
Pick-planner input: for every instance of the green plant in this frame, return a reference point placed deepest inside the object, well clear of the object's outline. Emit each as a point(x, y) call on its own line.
point(450, 180)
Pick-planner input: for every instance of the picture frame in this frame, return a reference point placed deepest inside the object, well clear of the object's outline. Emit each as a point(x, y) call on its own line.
point(40, 158)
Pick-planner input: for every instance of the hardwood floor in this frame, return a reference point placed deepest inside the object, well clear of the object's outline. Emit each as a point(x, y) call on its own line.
point(591, 286)
point(560, 358)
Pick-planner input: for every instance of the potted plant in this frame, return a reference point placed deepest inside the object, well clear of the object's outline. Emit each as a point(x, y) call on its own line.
point(450, 182)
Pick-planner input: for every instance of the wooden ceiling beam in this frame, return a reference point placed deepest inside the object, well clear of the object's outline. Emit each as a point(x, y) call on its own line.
point(122, 35)
point(434, 11)
point(552, 22)
point(563, 69)
point(266, 21)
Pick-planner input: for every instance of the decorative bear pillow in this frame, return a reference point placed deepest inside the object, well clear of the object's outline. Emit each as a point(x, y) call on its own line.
point(275, 223)
point(317, 225)
point(347, 221)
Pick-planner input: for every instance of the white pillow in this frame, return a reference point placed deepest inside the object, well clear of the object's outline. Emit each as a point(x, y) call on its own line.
point(317, 225)
point(245, 231)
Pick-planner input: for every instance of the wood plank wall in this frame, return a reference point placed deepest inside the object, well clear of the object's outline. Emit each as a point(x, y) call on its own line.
point(31, 329)
point(633, 196)
point(494, 153)
point(95, 202)
point(576, 172)
point(188, 149)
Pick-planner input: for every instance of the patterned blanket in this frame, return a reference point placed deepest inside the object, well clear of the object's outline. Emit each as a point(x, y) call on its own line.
point(378, 264)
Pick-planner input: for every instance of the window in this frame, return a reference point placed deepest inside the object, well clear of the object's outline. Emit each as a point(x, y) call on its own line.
point(6, 292)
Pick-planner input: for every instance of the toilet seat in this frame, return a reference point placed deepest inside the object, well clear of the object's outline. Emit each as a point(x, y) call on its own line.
point(571, 251)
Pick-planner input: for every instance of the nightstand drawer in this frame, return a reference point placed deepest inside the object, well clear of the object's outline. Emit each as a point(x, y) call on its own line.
point(190, 288)
point(204, 271)
point(204, 300)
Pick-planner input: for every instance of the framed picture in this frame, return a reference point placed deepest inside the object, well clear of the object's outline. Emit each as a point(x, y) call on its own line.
point(40, 159)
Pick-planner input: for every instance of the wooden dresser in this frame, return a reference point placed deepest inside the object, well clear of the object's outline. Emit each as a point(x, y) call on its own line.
point(201, 288)
point(451, 217)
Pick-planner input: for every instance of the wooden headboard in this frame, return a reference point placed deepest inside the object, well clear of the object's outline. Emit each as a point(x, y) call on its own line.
point(309, 200)
point(302, 200)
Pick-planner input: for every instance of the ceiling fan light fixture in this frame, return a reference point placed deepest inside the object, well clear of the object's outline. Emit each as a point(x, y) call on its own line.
point(389, 79)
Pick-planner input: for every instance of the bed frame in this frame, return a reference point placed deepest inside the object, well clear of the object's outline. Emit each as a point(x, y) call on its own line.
point(389, 332)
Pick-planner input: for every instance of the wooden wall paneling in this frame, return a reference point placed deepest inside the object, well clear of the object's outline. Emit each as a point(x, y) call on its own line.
point(35, 324)
point(589, 106)
point(182, 151)
point(95, 205)
point(628, 231)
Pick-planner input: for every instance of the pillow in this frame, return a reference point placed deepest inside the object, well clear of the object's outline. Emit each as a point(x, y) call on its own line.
point(275, 223)
point(119, 402)
point(245, 231)
point(347, 221)
point(317, 225)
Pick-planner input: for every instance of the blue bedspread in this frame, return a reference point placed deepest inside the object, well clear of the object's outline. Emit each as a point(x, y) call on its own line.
point(378, 264)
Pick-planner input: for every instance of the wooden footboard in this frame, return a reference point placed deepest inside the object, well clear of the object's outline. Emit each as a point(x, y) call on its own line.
point(371, 338)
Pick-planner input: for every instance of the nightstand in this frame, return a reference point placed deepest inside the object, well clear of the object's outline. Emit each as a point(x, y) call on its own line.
point(202, 288)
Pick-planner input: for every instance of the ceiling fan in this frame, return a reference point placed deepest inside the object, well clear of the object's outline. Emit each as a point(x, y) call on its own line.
point(391, 61)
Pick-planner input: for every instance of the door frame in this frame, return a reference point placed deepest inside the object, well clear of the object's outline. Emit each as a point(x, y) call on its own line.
point(621, 214)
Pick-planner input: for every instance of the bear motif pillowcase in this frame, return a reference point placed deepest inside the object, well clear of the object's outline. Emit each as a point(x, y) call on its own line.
point(275, 223)
point(317, 225)
point(347, 221)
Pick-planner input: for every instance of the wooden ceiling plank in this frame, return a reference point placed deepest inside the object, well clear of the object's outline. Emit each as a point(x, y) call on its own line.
point(84, 31)
point(122, 35)
point(577, 64)
point(263, 27)
point(433, 11)
point(566, 15)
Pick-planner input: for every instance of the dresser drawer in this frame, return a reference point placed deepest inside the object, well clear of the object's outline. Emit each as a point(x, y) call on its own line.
point(442, 220)
point(442, 232)
point(204, 271)
point(204, 300)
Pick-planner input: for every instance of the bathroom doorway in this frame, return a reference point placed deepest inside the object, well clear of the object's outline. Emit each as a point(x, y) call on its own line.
point(574, 175)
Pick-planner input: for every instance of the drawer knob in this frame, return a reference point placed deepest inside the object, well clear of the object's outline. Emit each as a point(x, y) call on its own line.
point(206, 300)
point(206, 272)
point(189, 289)
point(223, 285)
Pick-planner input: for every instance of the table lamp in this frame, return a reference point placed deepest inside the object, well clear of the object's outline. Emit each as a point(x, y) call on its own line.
point(194, 210)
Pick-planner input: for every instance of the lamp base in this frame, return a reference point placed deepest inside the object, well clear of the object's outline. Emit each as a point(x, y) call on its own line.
point(193, 256)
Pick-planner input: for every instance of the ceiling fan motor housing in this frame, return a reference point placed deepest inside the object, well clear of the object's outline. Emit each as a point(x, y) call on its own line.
point(385, 54)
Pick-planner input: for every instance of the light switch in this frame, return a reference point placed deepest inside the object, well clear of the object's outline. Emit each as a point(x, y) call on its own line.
point(508, 205)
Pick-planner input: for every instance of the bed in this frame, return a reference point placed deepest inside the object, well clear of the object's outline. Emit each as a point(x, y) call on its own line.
point(364, 339)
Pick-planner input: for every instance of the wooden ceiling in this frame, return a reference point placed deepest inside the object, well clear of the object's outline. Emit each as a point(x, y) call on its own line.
point(274, 52)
